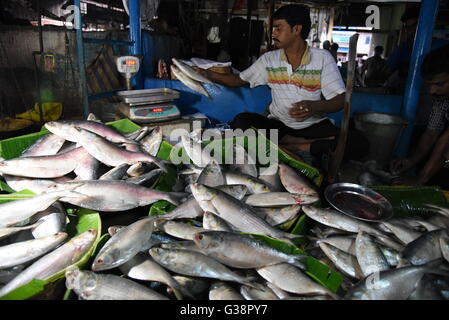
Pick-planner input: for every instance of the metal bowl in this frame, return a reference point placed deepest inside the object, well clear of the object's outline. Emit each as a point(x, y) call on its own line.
point(358, 202)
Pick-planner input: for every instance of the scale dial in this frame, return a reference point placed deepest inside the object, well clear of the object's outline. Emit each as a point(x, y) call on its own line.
point(128, 65)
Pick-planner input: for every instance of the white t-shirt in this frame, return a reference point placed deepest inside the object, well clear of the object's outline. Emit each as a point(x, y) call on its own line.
point(317, 74)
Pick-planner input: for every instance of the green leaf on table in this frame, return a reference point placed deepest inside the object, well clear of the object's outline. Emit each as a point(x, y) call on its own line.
point(4, 187)
point(26, 291)
point(412, 200)
point(124, 125)
point(161, 207)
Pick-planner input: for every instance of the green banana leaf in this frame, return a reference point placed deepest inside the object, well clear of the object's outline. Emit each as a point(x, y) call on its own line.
point(412, 200)
point(124, 125)
point(317, 270)
point(5, 188)
point(24, 194)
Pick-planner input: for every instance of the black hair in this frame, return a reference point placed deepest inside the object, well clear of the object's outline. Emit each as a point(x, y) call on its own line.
point(295, 14)
point(379, 49)
point(435, 62)
point(335, 46)
point(410, 13)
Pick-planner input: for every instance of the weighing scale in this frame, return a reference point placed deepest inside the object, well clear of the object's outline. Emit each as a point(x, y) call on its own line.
point(148, 105)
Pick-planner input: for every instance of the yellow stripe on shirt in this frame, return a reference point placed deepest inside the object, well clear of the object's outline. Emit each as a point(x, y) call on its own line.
point(309, 80)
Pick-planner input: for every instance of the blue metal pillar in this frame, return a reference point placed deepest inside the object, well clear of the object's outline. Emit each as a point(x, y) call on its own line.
point(135, 37)
point(81, 61)
point(422, 44)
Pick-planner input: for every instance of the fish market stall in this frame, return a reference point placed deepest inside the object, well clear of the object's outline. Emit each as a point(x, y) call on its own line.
point(209, 230)
point(153, 207)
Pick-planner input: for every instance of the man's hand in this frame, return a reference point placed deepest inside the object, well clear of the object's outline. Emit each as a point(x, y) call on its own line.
point(406, 181)
point(400, 165)
point(303, 109)
point(201, 71)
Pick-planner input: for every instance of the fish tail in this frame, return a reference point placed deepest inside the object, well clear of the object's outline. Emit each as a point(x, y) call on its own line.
point(73, 194)
point(441, 210)
point(250, 282)
point(299, 264)
point(333, 295)
point(291, 238)
point(181, 293)
point(437, 267)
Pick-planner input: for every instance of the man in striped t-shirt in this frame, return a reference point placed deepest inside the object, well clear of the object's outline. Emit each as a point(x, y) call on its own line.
point(298, 76)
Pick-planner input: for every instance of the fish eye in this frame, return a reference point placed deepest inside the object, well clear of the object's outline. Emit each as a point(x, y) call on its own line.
point(90, 284)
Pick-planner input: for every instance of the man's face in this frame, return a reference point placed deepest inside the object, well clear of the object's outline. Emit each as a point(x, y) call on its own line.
point(283, 34)
point(439, 84)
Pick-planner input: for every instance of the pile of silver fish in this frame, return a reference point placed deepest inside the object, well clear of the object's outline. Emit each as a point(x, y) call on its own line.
point(402, 258)
point(202, 248)
point(79, 163)
point(33, 244)
point(104, 169)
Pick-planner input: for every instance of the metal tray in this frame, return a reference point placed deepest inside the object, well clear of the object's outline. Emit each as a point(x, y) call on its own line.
point(358, 202)
point(147, 96)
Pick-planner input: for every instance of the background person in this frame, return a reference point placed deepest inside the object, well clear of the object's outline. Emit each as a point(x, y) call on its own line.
point(375, 69)
point(432, 145)
point(334, 50)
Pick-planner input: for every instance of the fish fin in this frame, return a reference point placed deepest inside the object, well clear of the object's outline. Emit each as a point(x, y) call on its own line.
point(131, 142)
point(290, 237)
point(402, 263)
point(333, 295)
point(312, 238)
point(299, 264)
point(177, 198)
point(75, 186)
point(444, 246)
point(250, 282)
point(181, 293)
point(440, 210)
point(161, 164)
point(437, 267)
point(311, 245)
point(74, 194)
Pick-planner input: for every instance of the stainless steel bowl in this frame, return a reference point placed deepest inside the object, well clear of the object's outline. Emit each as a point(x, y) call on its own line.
point(358, 202)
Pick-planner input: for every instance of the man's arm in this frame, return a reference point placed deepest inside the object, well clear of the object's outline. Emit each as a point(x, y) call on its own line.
point(425, 144)
point(304, 109)
point(227, 79)
point(435, 162)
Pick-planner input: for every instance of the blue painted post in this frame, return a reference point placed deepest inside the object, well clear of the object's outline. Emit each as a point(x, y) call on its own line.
point(81, 62)
point(134, 36)
point(423, 40)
